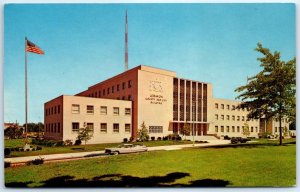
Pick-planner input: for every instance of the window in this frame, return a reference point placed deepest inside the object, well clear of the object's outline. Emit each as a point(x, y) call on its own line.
point(251, 129)
point(233, 118)
point(222, 128)
point(129, 97)
point(58, 109)
point(118, 87)
point(107, 91)
point(227, 117)
point(227, 129)
point(216, 116)
point(116, 128)
point(90, 127)
point(127, 128)
point(227, 107)
point(75, 108)
point(233, 107)
point(54, 127)
point(243, 118)
point(233, 129)
point(127, 111)
point(155, 129)
point(103, 110)
point(222, 117)
point(75, 127)
point(216, 105)
point(222, 106)
point(238, 118)
point(216, 128)
point(238, 129)
point(103, 128)
point(129, 83)
point(90, 109)
point(116, 110)
point(123, 85)
point(275, 129)
point(58, 127)
point(112, 89)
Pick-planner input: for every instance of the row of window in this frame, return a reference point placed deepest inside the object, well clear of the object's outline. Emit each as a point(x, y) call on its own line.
point(238, 118)
point(233, 107)
point(103, 110)
point(155, 129)
point(53, 127)
point(234, 129)
point(103, 127)
point(52, 110)
point(109, 90)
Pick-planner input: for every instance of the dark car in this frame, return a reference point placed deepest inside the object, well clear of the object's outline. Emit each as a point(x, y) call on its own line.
point(236, 140)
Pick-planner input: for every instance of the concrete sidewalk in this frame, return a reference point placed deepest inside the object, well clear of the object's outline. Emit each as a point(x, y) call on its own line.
point(69, 156)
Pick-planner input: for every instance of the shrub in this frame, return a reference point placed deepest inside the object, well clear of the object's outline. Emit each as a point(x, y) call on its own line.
point(179, 138)
point(21, 149)
point(152, 138)
point(36, 162)
point(7, 151)
point(158, 138)
point(7, 164)
point(68, 142)
point(131, 139)
point(17, 149)
point(226, 137)
point(38, 148)
point(27, 149)
point(59, 143)
point(125, 140)
point(77, 142)
point(165, 138)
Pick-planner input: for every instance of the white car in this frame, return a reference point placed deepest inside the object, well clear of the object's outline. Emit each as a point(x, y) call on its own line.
point(126, 148)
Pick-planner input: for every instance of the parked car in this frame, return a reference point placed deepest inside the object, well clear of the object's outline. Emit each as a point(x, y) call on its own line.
point(126, 148)
point(236, 140)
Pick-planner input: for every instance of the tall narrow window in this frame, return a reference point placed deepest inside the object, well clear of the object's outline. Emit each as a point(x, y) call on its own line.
point(129, 83)
point(127, 128)
point(103, 128)
point(75, 127)
point(123, 85)
point(116, 128)
point(90, 127)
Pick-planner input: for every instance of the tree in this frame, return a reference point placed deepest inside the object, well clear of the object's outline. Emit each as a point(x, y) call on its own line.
point(35, 127)
point(246, 130)
point(85, 134)
point(13, 132)
point(143, 133)
point(271, 92)
point(185, 129)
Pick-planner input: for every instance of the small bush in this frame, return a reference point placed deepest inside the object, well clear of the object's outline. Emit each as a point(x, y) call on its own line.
point(36, 162)
point(152, 138)
point(165, 138)
point(7, 164)
point(21, 149)
point(7, 151)
point(125, 140)
point(68, 142)
point(77, 142)
point(38, 148)
point(179, 138)
point(60, 143)
point(226, 137)
point(27, 149)
point(158, 138)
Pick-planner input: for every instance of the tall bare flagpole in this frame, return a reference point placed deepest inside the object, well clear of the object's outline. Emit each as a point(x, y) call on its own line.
point(126, 43)
point(26, 103)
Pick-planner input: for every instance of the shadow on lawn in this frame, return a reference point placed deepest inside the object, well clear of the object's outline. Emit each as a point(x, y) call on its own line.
point(250, 145)
point(118, 180)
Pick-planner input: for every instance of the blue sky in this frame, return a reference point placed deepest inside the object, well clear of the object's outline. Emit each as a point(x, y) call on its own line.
point(84, 44)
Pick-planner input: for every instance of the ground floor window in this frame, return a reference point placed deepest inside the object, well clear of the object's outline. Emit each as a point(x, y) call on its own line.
point(116, 128)
point(75, 126)
point(103, 128)
point(127, 128)
point(238, 129)
point(90, 127)
point(155, 129)
point(222, 128)
point(216, 128)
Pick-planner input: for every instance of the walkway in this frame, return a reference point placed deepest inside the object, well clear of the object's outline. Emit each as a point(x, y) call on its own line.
point(81, 155)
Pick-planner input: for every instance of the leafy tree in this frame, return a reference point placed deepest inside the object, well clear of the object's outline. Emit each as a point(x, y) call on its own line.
point(13, 132)
point(85, 134)
point(271, 92)
point(246, 130)
point(185, 129)
point(35, 127)
point(143, 132)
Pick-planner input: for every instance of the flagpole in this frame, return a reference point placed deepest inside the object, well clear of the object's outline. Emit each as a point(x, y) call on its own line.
point(26, 104)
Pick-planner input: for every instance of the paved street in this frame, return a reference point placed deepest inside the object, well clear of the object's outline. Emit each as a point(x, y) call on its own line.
point(69, 156)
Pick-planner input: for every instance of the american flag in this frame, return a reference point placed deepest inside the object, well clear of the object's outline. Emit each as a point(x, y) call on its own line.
point(31, 47)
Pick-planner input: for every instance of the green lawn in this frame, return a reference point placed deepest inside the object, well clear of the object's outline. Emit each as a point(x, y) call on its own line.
point(263, 164)
point(73, 149)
